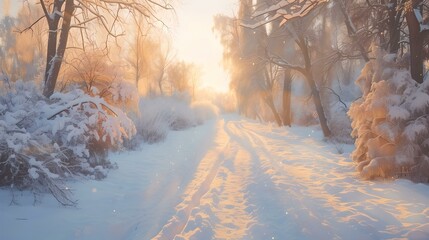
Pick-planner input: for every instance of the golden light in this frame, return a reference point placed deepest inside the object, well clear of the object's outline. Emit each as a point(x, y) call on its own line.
point(195, 42)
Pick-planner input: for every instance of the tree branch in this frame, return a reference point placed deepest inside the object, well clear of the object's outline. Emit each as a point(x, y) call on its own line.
point(48, 17)
point(338, 96)
point(31, 26)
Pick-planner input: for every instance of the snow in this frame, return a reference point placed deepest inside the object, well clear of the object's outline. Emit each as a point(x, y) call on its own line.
point(423, 27)
point(390, 122)
point(285, 9)
point(33, 173)
point(229, 178)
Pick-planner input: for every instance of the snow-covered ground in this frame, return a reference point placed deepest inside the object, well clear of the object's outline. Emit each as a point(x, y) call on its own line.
point(228, 179)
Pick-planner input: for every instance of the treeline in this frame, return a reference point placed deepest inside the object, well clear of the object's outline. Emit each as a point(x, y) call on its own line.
point(81, 78)
point(281, 54)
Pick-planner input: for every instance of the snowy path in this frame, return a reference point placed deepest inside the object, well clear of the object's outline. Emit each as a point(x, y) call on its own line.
point(229, 179)
point(263, 183)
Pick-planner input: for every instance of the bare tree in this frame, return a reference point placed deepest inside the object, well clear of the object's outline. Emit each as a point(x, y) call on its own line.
point(272, 74)
point(183, 77)
point(79, 14)
point(161, 64)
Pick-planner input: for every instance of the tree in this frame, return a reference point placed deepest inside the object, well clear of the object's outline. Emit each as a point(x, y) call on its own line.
point(228, 34)
point(183, 77)
point(21, 53)
point(287, 97)
point(82, 13)
point(276, 43)
point(272, 74)
point(284, 9)
point(418, 34)
point(292, 13)
point(162, 63)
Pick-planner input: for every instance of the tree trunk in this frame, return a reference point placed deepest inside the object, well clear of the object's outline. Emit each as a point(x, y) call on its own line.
point(137, 77)
point(55, 65)
point(302, 43)
point(269, 101)
point(416, 46)
point(352, 32)
point(394, 30)
point(160, 83)
point(287, 99)
point(52, 38)
point(319, 107)
point(137, 68)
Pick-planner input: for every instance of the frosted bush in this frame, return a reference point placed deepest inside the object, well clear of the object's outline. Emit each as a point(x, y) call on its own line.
point(44, 141)
point(391, 122)
point(340, 124)
point(204, 111)
point(159, 115)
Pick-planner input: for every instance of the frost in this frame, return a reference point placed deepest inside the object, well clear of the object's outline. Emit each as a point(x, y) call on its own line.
point(420, 101)
point(412, 131)
point(33, 173)
point(398, 113)
point(285, 9)
point(159, 115)
point(389, 58)
point(390, 122)
point(57, 138)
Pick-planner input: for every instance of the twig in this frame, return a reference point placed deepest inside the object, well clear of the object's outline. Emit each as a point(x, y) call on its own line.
point(338, 96)
point(31, 26)
point(77, 104)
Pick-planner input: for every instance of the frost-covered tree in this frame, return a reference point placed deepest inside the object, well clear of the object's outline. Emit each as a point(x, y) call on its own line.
point(63, 15)
point(253, 79)
point(271, 79)
point(283, 9)
point(21, 53)
point(390, 121)
point(226, 29)
point(183, 77)
point(295, 16)
point(94, 73)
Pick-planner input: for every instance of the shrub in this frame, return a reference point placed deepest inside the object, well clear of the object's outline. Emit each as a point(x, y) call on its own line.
point(204, 111)
point(340, 124)
point(391, 122)
point(159, 115)
point(45, 141)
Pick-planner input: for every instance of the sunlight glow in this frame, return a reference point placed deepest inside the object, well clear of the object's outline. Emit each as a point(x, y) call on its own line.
point(198, 44)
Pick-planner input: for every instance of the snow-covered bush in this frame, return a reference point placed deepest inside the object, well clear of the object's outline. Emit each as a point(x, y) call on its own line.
point(391, 122)
point(340, 124)
point(159, 115)
point(44, 141)
point(226, 102)
point(203, 111)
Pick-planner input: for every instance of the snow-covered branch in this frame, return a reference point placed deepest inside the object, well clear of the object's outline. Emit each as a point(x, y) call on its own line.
point(423, 26)
point(285, 9)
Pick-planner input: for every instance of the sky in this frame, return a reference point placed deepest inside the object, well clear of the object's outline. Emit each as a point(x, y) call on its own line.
point(196, 42)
